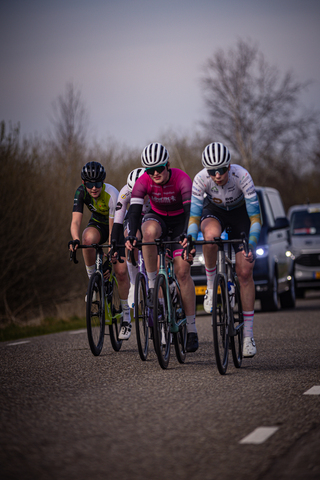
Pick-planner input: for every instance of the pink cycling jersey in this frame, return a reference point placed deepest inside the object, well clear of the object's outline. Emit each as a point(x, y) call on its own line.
point(167, 199)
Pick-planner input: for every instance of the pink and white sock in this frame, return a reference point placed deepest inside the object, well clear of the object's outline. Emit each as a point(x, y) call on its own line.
point(248, 323)
point(210, 273)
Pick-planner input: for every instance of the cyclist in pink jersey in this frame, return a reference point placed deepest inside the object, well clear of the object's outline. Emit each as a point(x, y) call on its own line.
point(169, 191)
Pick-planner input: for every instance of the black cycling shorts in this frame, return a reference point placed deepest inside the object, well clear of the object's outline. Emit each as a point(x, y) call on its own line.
point(237, 219)
point(103, 229)
point(171, 228)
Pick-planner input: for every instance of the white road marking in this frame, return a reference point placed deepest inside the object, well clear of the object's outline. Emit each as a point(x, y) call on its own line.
point(259, 435)
point(75, 332)
point(18, 343)
point(313, 391)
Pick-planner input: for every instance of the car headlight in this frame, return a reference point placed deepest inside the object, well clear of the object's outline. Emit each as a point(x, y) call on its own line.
point(201, 259)
point(262, 251)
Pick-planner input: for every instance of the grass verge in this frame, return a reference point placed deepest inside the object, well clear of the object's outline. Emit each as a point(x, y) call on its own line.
point(49, 325)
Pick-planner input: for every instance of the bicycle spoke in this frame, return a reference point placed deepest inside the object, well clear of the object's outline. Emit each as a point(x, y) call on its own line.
point(141, 313)
point(219, 324)
point(95, 314)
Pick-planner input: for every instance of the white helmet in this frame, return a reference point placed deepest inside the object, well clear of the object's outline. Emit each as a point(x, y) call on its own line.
point(154, 155)
point(215, 155)
point(133, 177)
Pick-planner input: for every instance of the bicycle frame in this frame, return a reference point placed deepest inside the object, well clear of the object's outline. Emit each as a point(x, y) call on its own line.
point(225, 268)
point(166, 268)
point(142, 270)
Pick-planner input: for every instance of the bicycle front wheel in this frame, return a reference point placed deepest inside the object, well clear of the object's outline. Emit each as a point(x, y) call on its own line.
point(180, 338)
point(117, 315)
point(161, 324)
point(95, 313)
point(219, 323)
point(141, 312)
point(237, 340)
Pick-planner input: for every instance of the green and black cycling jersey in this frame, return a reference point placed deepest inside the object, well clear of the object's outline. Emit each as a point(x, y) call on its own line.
point(102, 208)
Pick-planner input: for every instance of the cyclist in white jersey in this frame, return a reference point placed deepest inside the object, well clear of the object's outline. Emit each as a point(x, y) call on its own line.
point(120, 230)
point(224, 195)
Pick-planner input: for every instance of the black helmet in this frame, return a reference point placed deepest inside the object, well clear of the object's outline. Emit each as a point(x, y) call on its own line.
point(93, 172)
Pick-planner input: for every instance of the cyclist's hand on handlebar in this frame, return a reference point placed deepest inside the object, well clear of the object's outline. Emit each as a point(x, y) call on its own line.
point(73, 245)
point(191, 256)
point(250, 257)
point(130, 242)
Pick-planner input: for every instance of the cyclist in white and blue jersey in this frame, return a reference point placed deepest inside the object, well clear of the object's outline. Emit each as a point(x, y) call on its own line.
point(224, 195)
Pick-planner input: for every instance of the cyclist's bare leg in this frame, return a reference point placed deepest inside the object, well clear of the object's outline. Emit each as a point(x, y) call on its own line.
point(150, 231)
point(89, 236)
point(182, 271)
point(121, 272)
point(210, 228)
point(244, 271)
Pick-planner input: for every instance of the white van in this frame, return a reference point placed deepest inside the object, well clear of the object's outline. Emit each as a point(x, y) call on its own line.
point(305, 238)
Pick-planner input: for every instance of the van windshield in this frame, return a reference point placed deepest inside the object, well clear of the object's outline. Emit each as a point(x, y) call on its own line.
point(305, 222)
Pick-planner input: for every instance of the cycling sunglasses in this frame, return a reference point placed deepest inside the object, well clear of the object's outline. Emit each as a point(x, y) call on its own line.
point(93, 184)
point(152, 170)
point(221, 171)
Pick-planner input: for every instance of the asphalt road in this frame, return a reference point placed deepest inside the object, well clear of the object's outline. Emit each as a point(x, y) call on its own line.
point(66, 414)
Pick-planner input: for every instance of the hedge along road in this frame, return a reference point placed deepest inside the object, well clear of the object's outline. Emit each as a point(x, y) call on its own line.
point(66, 414)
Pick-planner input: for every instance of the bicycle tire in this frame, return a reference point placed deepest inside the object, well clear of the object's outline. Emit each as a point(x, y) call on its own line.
point(161, 324)
point(237, 340)
point(180, 337)
point(141, 313)
point(95, 314)
point(117, 316)
point(219, 323)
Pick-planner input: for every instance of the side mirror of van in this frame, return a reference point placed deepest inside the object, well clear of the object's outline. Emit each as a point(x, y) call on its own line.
point(281, 222)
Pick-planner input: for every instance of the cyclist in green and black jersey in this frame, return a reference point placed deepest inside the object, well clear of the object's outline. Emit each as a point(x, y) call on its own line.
point(101, 199)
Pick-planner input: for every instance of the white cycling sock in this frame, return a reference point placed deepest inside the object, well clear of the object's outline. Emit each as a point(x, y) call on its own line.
point(248, 324)
point(126, 310)
point(210, 273)
point(132, 272)
point(90, 270)
point(152, 278)
point(191, 324)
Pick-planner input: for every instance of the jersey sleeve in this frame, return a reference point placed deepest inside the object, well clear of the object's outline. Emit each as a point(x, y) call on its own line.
point(197, 197)
point(253, 210)
point(122, 203)
point(139, 191)
point(114, 193)
point(78, 199)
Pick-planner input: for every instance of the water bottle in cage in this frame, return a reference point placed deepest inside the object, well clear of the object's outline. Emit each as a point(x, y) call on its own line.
point(232, 291)
point(173, 290)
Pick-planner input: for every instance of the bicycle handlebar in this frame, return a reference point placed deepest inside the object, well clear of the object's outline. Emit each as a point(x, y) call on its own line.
point(220, 241)
point(113, 249)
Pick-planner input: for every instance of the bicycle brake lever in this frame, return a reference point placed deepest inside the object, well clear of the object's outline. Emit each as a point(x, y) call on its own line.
point(73, 257)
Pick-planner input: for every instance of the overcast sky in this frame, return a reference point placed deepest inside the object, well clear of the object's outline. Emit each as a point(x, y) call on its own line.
point(138, 63)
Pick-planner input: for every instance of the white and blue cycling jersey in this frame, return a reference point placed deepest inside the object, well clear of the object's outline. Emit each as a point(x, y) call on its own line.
point(238, 191)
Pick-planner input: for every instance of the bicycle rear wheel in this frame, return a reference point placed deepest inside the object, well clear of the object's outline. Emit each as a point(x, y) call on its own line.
point(180, 338)
point(141, 312)
point(161, 325)
point(116, 313)
point(219, 323)
point(237, 340)
point(95, 314)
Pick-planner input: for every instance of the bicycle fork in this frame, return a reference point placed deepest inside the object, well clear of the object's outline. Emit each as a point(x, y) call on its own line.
point(221, 269)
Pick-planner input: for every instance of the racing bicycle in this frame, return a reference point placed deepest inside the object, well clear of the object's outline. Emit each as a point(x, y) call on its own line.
point(227, 316)
point(103, 301)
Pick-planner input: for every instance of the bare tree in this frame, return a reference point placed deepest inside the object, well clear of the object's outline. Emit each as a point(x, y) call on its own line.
point(70, 126)
point(252, 107)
